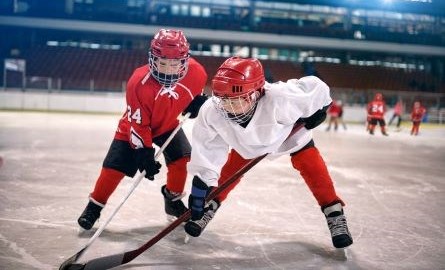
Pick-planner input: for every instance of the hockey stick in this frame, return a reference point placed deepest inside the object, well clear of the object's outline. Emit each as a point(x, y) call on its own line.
point(111, 261)
point(137, 180)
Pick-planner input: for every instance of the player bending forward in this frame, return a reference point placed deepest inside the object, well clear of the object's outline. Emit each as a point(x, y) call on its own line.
point(252, 117)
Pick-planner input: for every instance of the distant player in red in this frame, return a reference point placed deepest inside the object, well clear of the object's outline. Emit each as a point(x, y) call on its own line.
point(376, 112)
point(398, 112)
point(171, 84)
point(417, 115)
point(334, 112)
point(340, 115)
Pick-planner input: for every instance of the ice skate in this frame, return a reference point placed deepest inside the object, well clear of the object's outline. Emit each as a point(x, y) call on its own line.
point(196, 227)
point(90, 215)
point(174, 207)
point(341, 237)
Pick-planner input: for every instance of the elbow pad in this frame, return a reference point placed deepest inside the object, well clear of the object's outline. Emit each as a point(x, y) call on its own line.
point(316, 119)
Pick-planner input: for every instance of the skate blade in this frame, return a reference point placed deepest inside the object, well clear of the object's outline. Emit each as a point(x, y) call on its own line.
point(171, 218)
point(342, 253)
point(186, 238)
point(81, 231)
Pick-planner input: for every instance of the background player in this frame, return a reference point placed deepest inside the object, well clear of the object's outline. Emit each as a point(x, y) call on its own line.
point(417, 114)
point(376, 112)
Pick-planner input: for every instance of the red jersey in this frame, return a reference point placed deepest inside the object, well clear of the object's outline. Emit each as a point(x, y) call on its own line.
point(418, 113)
point(376, 109)
point(153, 109)
point(334, 110)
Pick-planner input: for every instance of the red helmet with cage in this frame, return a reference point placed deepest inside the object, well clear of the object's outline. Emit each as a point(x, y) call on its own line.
point(236, 87)
point(378, 96)
point(172, 49)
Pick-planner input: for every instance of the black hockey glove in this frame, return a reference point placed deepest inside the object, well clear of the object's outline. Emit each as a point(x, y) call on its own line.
point(316, 119)
point(200, 190)
point(145, 160)
point(195, 105)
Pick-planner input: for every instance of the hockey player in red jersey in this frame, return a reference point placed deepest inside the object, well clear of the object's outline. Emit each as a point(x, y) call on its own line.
point(376, 112)
point(417, 114)
point(334, 112)
point(171, 84)
point(247, 118)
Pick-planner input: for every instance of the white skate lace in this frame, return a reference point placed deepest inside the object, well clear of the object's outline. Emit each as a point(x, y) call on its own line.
point(205, 219)
point(337, 225)
point(208, 215)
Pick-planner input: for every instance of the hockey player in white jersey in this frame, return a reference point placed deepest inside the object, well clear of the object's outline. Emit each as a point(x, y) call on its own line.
point(248, 117)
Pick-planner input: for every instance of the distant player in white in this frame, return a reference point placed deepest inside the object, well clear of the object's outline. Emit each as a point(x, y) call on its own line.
point(248, 117)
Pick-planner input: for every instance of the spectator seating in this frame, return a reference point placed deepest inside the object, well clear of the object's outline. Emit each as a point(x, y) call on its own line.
point(98, 69)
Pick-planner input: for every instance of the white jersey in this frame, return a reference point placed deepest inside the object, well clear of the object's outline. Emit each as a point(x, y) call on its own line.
point(277, 111)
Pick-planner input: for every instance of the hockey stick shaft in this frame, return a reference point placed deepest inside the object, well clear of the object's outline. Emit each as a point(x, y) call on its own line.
point(123, 258)
point(137, 180)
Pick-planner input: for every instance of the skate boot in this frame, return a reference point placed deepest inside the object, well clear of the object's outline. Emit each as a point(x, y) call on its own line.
point(195, 227)
point(90, 215)
point(174, 207)
point(341, 237)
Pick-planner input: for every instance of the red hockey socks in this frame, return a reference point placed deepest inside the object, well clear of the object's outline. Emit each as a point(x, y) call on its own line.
point(312, 168)
point(371, 129)
point(177, 175)
point(106, 184)
point(233, 164)
point(415, 128)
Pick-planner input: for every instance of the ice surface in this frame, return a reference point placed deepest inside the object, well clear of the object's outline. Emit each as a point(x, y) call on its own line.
point(393, 187)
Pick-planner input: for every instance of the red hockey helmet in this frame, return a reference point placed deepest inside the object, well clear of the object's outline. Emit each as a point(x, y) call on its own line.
point(378, 96)
point(236, 87)
point(168, 56)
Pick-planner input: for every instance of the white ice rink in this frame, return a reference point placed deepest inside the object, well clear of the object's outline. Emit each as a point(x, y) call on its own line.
point(393, 186)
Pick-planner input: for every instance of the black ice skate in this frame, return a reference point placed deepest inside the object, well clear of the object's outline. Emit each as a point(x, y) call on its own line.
point(90, 215)
point(341, 237)
point(174, 207)
point(196, 227)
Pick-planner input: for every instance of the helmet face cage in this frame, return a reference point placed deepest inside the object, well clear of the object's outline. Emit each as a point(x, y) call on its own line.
point(238, 109)
point(172, 72)
point(236, 87)
point(168, 56)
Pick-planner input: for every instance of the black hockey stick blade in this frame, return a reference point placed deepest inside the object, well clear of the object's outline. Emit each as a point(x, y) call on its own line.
point(69, 263)
point(108, 262)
